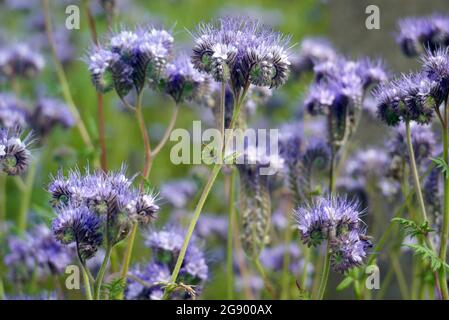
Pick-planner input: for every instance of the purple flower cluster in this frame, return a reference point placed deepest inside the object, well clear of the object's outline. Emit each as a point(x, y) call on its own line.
point(42, 119)
point(342, 84)
point(178, 192)
point(15, 155)
point(130, 59)
point(13, 112)
point(20, 60)
point(312, 51)
point(37, 252)
point(182, 81)
point(242, 52)
point(97, 208)
point(336, 220)
point(155, 275)
point(415, 96)
point(417, 34)
point(166, 245)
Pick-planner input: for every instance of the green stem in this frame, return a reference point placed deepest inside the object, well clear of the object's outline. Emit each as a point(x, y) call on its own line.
point(2, 289)
point(325, 273)
point(230, 253)
point(128, 254)
point(285, 276)
point(101, 273)
point(264, 276)
point(403, 288)
point(445, 227)
point(215, 171)
point(192, 225)
point(415, 172)
point(3, 197)
point(26, 197)
point(222, 113)
point(86, 283)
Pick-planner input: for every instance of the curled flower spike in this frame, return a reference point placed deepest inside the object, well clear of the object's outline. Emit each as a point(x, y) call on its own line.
point(241, 51)
point(336, 220)
point(182, 81)
point(325, 215)
point(143, 209)
point(100, 63)
point(108, 196)
point(436, 68)
point(79, 226)
point(410, 98)
point(14, 153)
point(349, 250)
point(129, 58)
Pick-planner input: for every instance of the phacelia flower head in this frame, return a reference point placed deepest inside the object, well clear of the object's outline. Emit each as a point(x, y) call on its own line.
point(312, 51)
point(436, 68)
point(166, 245)
point(20, 60)
point(241, 51)
point(326, 216)
point(104, 203)
point(81, 227)
point(182, 81)
point(129, 58)
point(48, 113)
point(349, 250)
point(37, 252)
point(409, 98)
point(336, 220)
point(15, 155)
point(153, 273)
point(417, 34)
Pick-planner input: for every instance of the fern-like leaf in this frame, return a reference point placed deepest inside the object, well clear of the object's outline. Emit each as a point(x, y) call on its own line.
point(442, 165)
point(412, 229)
point(425, 253)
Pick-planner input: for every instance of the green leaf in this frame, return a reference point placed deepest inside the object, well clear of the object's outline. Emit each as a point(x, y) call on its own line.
point(115, 288)
point(425, 253)
point(442, 165)
point(412, 229)
point(345, 283)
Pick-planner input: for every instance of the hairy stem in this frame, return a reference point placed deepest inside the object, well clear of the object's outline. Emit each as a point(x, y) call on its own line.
point(265, 278)
point(231, 221)
point(445, 227)
point(205, 193)
point(26, 197)
point(101, 273)
point(167, 132)
point(415, 175)
point(325, 273)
